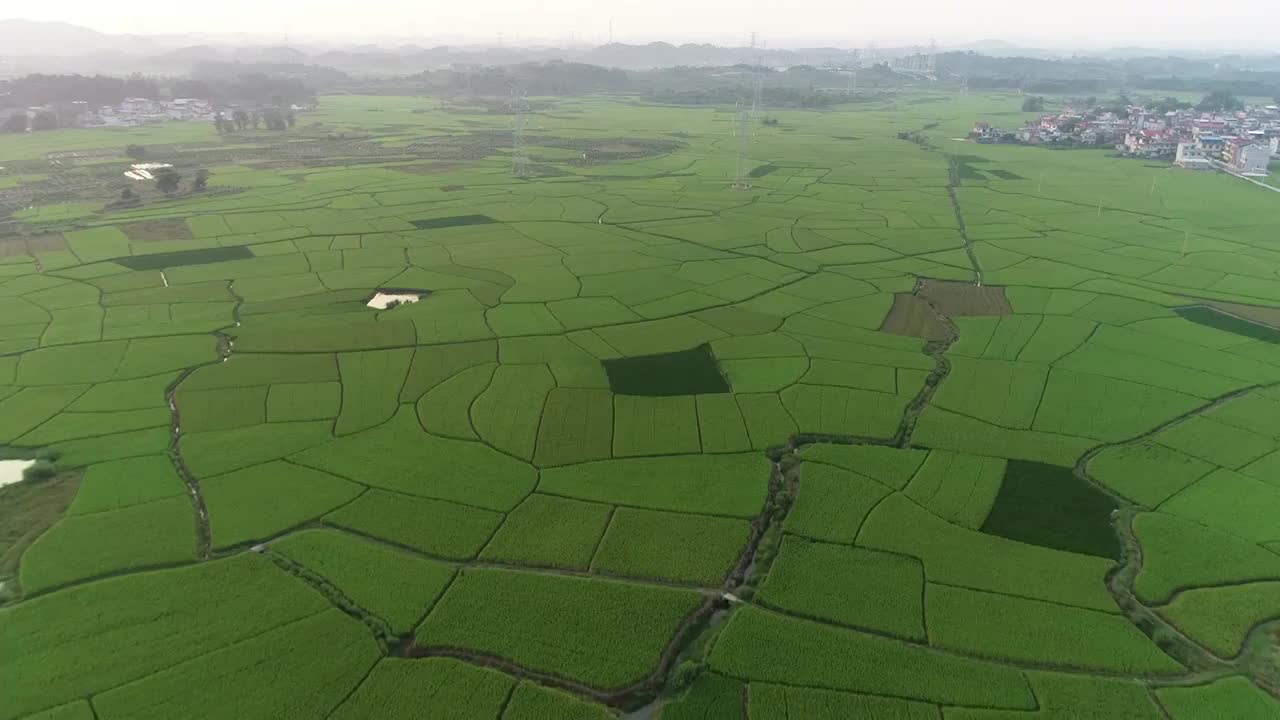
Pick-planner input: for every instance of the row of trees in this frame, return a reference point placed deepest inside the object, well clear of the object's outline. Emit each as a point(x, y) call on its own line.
point(19, 122)
point(97, 90)
point(240, 119)
point(1219, 101)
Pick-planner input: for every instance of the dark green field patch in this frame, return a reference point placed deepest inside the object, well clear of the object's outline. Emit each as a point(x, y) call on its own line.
point(686, 372)
point(1048, 505)
point(1005, 175)
point(160, 261)
point(1218, 320)
point(452, 221)
point(763, 170)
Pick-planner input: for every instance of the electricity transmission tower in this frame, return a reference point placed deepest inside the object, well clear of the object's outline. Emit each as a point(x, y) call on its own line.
point(742, 133)
point(756, 91)
point(520, 121)
point(855, 63)
point(757, 79)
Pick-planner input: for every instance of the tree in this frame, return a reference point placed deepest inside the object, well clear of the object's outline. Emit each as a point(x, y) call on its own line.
point(137, 152)
point(1221, 101)
point(256, 118)
point(200, 181)
point(167, 180)
point(1170, 104)
point(15, 123)
point(1034, 103)
point(128, 199)
point(240, 118)
point(273, 119)
point(136, 85)
point(44, 120)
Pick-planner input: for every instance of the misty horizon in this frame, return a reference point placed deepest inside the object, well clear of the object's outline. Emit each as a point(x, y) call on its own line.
point(1090, 24)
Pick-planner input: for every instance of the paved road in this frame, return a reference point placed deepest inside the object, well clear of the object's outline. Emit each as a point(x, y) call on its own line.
point(1259, 183)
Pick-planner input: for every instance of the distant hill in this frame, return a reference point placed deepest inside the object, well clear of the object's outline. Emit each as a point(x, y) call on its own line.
point(59, 39)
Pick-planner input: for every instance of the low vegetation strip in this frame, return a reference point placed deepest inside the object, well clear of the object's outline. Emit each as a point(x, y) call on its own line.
point(733, 485)
point(319, 660)
point(671, 546)
point(601, 633)
point(1221, 618)
point(62, 649)
point(848, 586)
point(782, 702)
point(395, 586)
point(1018, 629)
point(205, 256)
point(760, 645)
point(452, 221)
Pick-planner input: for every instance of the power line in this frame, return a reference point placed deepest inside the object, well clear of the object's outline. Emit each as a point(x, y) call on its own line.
point(520, 120)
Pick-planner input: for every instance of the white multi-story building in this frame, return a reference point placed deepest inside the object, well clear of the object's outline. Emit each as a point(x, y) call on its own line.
point(1251, 158)
point(1150, 143)
point(1193, 156)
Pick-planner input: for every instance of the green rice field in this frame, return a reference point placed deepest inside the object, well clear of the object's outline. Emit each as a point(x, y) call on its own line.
point(898, 426)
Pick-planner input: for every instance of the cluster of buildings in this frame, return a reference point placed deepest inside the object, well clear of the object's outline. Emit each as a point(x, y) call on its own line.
point(1066, 128)
point(130, 112)
point(1244, 142)
point(138, 111)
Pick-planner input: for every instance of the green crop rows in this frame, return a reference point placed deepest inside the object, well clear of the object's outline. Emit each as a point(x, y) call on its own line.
point(911, 429)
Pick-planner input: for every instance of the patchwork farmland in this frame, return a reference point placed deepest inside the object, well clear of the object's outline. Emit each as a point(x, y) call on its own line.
point(863, 439)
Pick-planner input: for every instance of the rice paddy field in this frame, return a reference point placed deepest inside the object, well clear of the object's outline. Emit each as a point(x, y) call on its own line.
point(908, 428)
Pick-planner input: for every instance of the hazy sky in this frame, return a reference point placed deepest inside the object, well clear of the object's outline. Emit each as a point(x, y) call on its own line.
point(1244, 24)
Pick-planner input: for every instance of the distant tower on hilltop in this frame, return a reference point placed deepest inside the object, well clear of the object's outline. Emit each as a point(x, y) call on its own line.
point(520, 121)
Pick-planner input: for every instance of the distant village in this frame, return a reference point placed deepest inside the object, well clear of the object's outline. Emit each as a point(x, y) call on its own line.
point(136, 111)
point(1244, 142)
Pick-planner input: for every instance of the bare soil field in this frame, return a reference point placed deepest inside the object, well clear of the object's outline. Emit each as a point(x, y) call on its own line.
point(152, 230)
point(912, 316)
point(957, 299)
point(21, 245)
